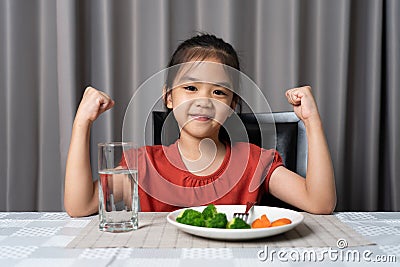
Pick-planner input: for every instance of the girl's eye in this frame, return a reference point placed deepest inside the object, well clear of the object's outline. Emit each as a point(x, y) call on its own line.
point(190, 88)
point(219, 92)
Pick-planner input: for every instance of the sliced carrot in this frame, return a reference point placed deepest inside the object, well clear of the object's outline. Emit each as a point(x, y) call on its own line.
point(257, 223)
point(265, 220)
point(281, 221)
point(262, 222)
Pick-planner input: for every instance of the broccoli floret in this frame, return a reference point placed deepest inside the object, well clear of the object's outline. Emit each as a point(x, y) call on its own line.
point(237, 223)
point(209, 212)
point(218, 221)
point(191, 217)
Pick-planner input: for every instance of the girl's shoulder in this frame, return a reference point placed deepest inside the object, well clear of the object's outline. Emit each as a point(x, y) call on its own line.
point(251, 147)
point(159, 152)
point(156, 149)
point(256, 152)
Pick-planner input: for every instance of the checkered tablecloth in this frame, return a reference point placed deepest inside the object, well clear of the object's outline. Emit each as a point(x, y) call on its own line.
point(41, 239)
point(155, 232)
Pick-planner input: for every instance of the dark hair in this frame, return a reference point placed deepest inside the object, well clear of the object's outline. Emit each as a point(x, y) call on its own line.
point(205, 46)
point(200, 48)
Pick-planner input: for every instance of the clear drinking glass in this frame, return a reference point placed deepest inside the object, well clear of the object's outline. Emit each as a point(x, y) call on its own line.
point(118, 187)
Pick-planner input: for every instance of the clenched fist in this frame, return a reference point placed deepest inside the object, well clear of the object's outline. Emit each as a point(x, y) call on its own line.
point(93, 103)
point(303, 102)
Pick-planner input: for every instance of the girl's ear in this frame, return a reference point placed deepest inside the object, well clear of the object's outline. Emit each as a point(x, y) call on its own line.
point(167, 97)
point(235, 101)
point(233, 106)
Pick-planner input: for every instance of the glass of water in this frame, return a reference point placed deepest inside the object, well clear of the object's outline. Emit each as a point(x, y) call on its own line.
point(118, 187)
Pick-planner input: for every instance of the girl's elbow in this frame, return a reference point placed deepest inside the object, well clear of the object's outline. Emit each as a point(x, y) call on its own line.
point(77, 213)
point(71, 211)
point(74, 211)
point(324, 209)
point(72, 214)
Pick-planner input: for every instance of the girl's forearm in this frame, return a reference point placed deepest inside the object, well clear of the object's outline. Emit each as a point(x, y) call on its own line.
point(79, 191)
point(320, 181)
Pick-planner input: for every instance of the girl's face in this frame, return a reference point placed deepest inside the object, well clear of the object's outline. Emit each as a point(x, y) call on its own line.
point(201, 100)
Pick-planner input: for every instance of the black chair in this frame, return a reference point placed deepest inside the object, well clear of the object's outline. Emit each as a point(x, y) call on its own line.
point(291, 141)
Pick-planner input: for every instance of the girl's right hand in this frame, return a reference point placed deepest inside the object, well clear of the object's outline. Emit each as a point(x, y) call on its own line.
point(93, 103)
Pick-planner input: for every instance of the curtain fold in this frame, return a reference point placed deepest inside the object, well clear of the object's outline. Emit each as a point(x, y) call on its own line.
point(49, 188)
point(363, 105)
point(348, 51)
point(3, 109)
point(390, 188)
point(21, 105)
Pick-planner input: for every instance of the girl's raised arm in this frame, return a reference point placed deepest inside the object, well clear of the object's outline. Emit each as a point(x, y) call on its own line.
point(80, 192)
point(316, 193)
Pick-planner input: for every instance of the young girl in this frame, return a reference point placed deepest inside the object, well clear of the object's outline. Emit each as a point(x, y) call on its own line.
point(171, 177)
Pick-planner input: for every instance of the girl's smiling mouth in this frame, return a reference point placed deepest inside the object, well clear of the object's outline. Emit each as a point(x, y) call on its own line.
point(200, 117)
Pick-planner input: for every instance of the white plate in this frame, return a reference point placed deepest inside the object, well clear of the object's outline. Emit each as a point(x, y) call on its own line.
point(272, 213)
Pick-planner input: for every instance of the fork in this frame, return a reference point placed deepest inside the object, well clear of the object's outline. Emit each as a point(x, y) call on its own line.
point(244, 215)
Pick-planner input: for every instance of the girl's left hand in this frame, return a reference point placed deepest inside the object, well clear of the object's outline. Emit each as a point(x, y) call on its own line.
point(303, 102)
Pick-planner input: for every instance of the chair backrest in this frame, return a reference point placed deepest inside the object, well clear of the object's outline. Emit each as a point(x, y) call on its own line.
point(291, 143)
point(291, 140)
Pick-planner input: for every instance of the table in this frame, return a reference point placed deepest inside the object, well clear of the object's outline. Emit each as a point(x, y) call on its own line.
point(40, 239)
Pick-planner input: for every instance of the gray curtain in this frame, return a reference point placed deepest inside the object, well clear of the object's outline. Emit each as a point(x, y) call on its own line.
point(348, 51)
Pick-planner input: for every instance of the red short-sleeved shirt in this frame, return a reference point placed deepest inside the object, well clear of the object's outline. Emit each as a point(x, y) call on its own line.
point(166, 185)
